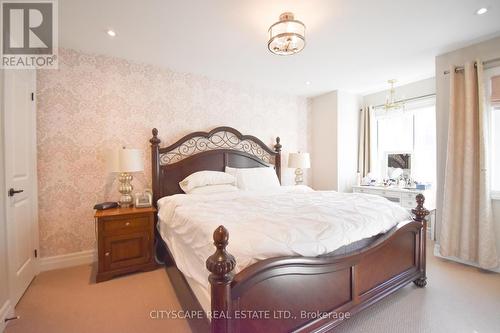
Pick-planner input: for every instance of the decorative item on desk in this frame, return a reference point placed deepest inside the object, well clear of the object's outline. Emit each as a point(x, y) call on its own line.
point(387, 182)
point(299, 161)
point(144, 199)
point(369, 179)
point(423, 186)
point(125, 161)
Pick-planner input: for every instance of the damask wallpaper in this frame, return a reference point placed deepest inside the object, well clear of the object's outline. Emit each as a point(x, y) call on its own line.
point(93, 103)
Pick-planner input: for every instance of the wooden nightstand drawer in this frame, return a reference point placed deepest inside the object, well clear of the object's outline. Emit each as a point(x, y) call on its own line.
point(126, 224)
point(126, 250)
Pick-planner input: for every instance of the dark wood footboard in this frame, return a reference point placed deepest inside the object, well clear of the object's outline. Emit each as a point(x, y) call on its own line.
point(304, 294)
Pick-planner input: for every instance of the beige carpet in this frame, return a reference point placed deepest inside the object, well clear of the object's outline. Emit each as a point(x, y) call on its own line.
point(457, 299)
point(68, 301)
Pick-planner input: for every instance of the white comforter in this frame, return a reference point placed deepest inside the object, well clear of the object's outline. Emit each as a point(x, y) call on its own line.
point(288, 221)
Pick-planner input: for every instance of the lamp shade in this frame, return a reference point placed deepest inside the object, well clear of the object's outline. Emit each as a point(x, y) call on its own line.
point(287, 36)
point(125, 160)
point(299, 160)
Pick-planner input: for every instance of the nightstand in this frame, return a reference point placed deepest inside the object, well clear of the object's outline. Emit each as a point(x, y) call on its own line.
point(125, 238)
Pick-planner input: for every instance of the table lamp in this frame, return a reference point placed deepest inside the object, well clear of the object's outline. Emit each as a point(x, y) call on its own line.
point(299, 161)
point(124, 161)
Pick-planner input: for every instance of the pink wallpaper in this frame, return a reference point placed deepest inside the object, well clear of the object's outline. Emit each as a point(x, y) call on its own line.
point(93, 103)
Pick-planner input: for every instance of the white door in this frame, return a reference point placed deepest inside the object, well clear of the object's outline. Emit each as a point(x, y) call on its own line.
point(20, 178)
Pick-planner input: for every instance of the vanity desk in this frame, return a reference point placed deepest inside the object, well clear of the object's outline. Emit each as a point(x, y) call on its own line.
point(406, 198)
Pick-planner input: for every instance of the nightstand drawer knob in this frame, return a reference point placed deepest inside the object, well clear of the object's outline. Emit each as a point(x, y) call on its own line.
point(106, 254)
point(127, 224)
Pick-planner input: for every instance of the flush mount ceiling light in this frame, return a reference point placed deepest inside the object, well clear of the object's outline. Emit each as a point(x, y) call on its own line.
point(287, 36)
point(481, 11)
point(111, 33)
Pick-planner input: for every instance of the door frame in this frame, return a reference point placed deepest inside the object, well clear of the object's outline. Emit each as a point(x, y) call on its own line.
point(6, 307)
point(34, 196)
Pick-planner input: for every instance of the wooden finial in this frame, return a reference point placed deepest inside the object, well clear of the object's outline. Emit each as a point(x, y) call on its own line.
point(277, 146)
point(221, 263)
point(420, 212)
point(155, 165)
point(277, 158)
point(154, 140)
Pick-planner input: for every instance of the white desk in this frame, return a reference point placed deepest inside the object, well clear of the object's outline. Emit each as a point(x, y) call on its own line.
point(406, 198)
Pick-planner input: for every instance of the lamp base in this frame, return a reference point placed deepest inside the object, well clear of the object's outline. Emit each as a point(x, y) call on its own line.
point(126, 188)
point(299, 178)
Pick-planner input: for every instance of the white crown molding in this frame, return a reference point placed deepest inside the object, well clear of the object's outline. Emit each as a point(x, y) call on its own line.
point(67, 260)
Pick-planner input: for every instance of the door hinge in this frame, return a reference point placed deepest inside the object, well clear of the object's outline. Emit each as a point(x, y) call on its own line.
point(32, 96)
point(36, 253)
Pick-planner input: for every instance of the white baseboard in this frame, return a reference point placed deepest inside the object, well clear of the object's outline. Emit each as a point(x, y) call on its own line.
point(6, 311)
point(66, 260)
point(465, 262)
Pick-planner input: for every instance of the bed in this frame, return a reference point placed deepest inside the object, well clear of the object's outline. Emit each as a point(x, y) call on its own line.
point(278, 280)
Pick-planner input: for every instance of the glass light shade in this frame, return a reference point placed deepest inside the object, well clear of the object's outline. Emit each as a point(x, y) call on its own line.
point(287, 36)
point(125, 160)
point(390, 100)
point(299, 160)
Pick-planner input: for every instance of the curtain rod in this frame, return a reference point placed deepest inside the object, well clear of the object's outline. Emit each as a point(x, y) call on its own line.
point(408, 100)
point(485, 63)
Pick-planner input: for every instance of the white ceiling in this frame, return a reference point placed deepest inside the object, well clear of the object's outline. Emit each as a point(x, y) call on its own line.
point(353, 45)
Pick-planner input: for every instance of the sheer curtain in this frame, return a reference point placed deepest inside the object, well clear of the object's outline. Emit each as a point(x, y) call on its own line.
point(411, 130)
point(467, 222)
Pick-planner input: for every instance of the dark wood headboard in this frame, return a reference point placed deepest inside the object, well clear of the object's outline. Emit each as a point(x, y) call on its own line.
point(214, 150)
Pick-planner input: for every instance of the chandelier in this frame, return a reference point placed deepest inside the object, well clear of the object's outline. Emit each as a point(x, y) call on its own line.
point(390, 102)
point(287, 36)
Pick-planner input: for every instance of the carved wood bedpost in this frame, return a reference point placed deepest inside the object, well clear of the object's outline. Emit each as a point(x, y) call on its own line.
point(155, 172)
point(277, 160)
point(420, 216)
point(220, 264)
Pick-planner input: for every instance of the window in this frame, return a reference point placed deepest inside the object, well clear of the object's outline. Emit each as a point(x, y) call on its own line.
point(492, 85)
point(409, 131)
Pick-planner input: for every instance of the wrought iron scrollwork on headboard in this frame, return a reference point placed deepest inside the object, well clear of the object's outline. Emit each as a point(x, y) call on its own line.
point(220, 138)
point(214, 150)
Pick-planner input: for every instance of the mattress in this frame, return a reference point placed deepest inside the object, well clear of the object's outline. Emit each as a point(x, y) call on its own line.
point(288, 221)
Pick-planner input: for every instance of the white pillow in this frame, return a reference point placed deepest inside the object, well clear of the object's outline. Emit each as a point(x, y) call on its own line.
point(204, 178)
point(254, 179)
point(214, 189)
point(232, 172)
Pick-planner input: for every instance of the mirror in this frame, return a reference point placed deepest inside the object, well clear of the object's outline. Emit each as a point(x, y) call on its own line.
point(398, 165)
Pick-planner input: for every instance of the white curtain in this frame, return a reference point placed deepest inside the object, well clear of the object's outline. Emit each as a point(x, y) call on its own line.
point(467, 223)
point(364, 142)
